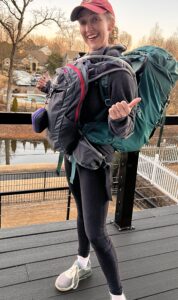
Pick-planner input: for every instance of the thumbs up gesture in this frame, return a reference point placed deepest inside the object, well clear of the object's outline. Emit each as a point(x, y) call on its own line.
point(122, 109)
point(43, 80)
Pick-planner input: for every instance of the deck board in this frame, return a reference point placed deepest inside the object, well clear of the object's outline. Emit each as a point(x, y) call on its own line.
point(31, 258)
point(129, 249)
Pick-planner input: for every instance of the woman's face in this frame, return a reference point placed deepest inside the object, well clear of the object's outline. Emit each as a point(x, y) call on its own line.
point(95, 29)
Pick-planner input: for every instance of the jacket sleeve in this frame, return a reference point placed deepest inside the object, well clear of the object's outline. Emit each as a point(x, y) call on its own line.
point(122, 86)
point(45, 89)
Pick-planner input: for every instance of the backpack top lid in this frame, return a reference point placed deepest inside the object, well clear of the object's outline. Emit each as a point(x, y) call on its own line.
point(156, 57)
point(156, 76)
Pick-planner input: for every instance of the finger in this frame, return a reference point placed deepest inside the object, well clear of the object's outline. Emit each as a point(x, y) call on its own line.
point(134, 102)
point(123, 108)
point(47, 75)
point(41, 81)
point(120, 110)
point(117, 113)
point(113, 113)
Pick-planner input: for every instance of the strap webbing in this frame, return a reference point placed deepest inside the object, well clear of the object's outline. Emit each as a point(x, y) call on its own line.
point(59, 164)
point(73, 163)
point(73, 169)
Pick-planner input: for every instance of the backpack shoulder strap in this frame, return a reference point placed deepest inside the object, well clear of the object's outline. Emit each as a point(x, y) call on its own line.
point(104, 90)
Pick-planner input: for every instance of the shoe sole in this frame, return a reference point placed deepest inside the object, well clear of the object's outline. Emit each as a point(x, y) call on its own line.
point(76, 285)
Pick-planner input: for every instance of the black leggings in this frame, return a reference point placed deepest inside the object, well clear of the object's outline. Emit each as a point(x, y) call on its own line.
point(92, 203)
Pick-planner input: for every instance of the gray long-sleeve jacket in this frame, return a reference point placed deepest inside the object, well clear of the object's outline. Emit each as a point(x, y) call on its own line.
point(121, 87)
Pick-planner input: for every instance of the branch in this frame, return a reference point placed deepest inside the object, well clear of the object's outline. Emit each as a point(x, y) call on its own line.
point(10, 10)
point(28, 2)
point(5, 2)
point(32, 28)
point(8, 29)
point(60, 20)
point(16, 6)
point(46, 16)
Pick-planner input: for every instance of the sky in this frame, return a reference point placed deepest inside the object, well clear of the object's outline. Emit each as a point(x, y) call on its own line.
point(137, 17)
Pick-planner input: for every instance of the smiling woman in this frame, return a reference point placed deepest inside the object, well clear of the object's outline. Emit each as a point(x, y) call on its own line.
point(91, 187)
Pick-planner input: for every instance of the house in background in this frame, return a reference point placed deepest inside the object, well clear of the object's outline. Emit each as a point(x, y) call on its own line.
point(46, 50)
point(5, 51)
point(6, 63)
point(36, 60)
point(30, 60)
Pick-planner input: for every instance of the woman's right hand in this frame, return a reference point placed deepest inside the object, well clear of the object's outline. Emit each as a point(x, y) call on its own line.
point(43, 81)
point(122, 109)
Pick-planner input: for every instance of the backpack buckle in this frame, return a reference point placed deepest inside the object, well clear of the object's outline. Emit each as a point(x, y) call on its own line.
point(108, 102)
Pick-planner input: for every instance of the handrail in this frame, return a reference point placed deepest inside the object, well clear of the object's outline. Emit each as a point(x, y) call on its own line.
point(25, 118)
point(32, 191)
point(15, 118)
point(171, 120)
point(127, 174)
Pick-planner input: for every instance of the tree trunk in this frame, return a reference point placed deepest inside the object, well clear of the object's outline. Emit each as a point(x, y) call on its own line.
point(2, 66)
point(10, 73)
point(7, 151)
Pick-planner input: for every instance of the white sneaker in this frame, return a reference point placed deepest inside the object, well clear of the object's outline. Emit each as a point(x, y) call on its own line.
point(69, 279)
point(121, 297)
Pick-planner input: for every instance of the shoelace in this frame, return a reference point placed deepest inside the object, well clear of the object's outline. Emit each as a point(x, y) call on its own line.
point(72, 271)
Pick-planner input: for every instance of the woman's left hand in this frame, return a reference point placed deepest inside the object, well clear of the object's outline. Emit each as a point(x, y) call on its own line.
point(122, 109)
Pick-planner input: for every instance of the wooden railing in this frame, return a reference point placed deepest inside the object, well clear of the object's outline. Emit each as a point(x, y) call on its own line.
point(127, 173)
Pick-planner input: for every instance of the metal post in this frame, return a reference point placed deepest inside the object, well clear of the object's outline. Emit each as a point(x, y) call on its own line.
point(0, 212)
point(44, 185)
point(126, 190)
point(160, 136)
point(68, 205)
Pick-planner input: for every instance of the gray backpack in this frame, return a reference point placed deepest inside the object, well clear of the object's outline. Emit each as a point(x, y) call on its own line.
point(67, 94)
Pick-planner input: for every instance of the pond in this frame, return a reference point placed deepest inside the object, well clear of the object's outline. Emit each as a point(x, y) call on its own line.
point(25, 152)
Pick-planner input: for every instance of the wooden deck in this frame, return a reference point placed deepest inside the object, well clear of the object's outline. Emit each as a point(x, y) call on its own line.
point(32, 257)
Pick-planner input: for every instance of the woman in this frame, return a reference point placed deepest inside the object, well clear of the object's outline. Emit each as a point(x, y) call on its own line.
point(92, 189)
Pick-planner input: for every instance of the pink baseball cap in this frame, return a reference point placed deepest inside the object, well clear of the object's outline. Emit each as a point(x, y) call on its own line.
point(97, 6)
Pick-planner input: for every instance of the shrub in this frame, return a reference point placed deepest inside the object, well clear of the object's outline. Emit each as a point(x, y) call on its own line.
point(14, 106)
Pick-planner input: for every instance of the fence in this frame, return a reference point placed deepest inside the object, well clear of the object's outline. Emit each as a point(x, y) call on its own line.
point(127, 173)
point(160, 176)
point(168, 153)
point(23, 194)
point(37, 197)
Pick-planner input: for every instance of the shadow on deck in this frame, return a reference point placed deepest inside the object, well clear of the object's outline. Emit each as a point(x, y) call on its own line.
point(32, 257)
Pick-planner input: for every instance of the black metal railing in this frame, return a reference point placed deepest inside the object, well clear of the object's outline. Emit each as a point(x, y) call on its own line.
point(127, 182)
point(126, 177)
point(20, 189)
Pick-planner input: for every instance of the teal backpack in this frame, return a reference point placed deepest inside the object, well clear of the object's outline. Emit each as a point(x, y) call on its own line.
point(156, 72)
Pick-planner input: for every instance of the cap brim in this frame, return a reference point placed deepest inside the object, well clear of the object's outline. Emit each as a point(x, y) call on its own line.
point(77, 10)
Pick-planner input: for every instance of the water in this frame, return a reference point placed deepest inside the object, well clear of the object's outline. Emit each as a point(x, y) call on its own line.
point(25, 152)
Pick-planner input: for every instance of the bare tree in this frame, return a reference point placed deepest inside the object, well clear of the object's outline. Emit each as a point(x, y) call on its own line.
point(39, 40)
point(122, 37)
point(171, 44)
point(126, 39)
point(156, 38)
point(71, 38)
point(70, 34)
point(12, 19)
